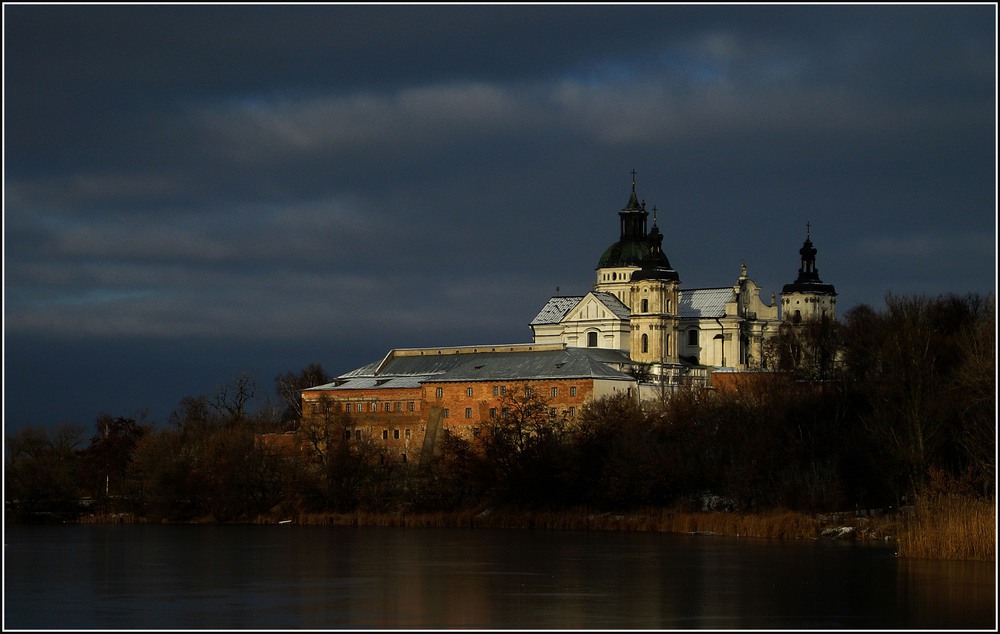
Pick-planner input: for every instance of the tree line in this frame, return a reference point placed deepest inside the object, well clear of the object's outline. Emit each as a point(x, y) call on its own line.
point(868, 411)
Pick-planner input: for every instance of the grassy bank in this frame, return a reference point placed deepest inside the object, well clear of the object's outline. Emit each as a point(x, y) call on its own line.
point(950, 527)
point(943, 527)
point(779, 524)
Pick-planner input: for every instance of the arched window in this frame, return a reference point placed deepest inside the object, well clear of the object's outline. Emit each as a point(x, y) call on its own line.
point(591, 339)
point(645, 342)
point(693, 337)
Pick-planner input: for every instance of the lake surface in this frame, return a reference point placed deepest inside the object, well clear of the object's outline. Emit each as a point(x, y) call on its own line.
point(313, 577)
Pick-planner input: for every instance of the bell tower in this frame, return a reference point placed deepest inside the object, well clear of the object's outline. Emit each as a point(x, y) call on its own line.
point(808, 297)
point(618, 261)
point(655, 297)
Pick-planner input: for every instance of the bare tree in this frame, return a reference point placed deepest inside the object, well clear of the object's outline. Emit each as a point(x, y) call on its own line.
point(40, 469)
point(231, 399)
point(291, 384)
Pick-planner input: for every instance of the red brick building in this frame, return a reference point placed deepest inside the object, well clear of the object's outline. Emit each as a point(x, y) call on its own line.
point(410, 397)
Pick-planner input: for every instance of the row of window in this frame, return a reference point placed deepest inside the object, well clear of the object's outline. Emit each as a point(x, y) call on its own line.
point(373, 406)
point(645, 343)
point(501, 390)
point(504, 412)
point(644, 306)
point(692, 339)
point(356, 434)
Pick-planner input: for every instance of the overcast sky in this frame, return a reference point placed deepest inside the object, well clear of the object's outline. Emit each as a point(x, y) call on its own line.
point(193, 192)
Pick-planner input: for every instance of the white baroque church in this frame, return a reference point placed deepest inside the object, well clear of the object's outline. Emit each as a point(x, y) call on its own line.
point(678, 335)
point(637, 333)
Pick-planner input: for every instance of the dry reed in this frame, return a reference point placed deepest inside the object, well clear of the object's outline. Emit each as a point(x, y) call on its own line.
point(938, 527)
point(950, 527)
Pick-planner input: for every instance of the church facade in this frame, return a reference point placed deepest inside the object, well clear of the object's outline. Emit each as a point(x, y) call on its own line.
point(639, 307)
point(638, 332)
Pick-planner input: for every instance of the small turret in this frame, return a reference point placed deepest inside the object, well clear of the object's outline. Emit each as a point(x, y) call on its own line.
point(808, 297)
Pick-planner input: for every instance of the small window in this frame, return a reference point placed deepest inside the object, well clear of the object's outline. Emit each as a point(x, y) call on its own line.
point(692, 337)
point(503, 390)
point(399, 407)
point(357, 434)
point(555, 392)
point(468, 412)
point(374, 406)
point(407, 434)
point(591, 339)
point(402, 457)
point(496, 390)
point(445, 413)
point(439, 392)
point(645, 306)
point(409, 406)
point(347, 434)
point(527, 392)
point(385, 434)
point(468, 391)
point(395, 434)
point(552, 412)
point(572, 391)
point(388, 407)
point(493, 412)
point(572, 412)
point(645, 343)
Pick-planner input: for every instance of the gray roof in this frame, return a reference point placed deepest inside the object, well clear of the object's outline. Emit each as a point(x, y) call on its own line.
point(614, 304)
point(549, 364)
point(557, 307)
point(371, 382)
point(554, 311)
point(704, 302)
point(399, 371)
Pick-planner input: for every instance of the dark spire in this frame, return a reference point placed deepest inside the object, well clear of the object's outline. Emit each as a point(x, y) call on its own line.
point(655, 266)
point(808, 279)
point(633, 201)
point(633, 217)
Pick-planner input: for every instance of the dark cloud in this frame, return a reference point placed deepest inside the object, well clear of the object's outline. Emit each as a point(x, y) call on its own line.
point(193, 190)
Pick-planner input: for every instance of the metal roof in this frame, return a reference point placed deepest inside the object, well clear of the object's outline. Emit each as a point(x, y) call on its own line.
point(614, 304)
point(704, 302)
point(410, 370)
point(556, 309)
point(549, 364)
point(371, 383)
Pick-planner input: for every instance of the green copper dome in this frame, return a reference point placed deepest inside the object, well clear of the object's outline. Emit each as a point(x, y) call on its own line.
point(624, 253)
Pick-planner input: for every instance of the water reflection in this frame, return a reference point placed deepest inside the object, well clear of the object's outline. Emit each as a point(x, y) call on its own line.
point(946, 594)
point(294, 577)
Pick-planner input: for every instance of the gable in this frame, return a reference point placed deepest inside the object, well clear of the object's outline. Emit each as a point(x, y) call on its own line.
point(555, 310)
point(597, 307)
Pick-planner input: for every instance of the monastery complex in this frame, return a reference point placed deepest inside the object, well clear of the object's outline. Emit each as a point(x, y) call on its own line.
point(637, 332)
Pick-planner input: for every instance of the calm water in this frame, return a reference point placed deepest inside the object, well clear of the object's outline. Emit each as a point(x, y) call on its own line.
point(306, 577)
